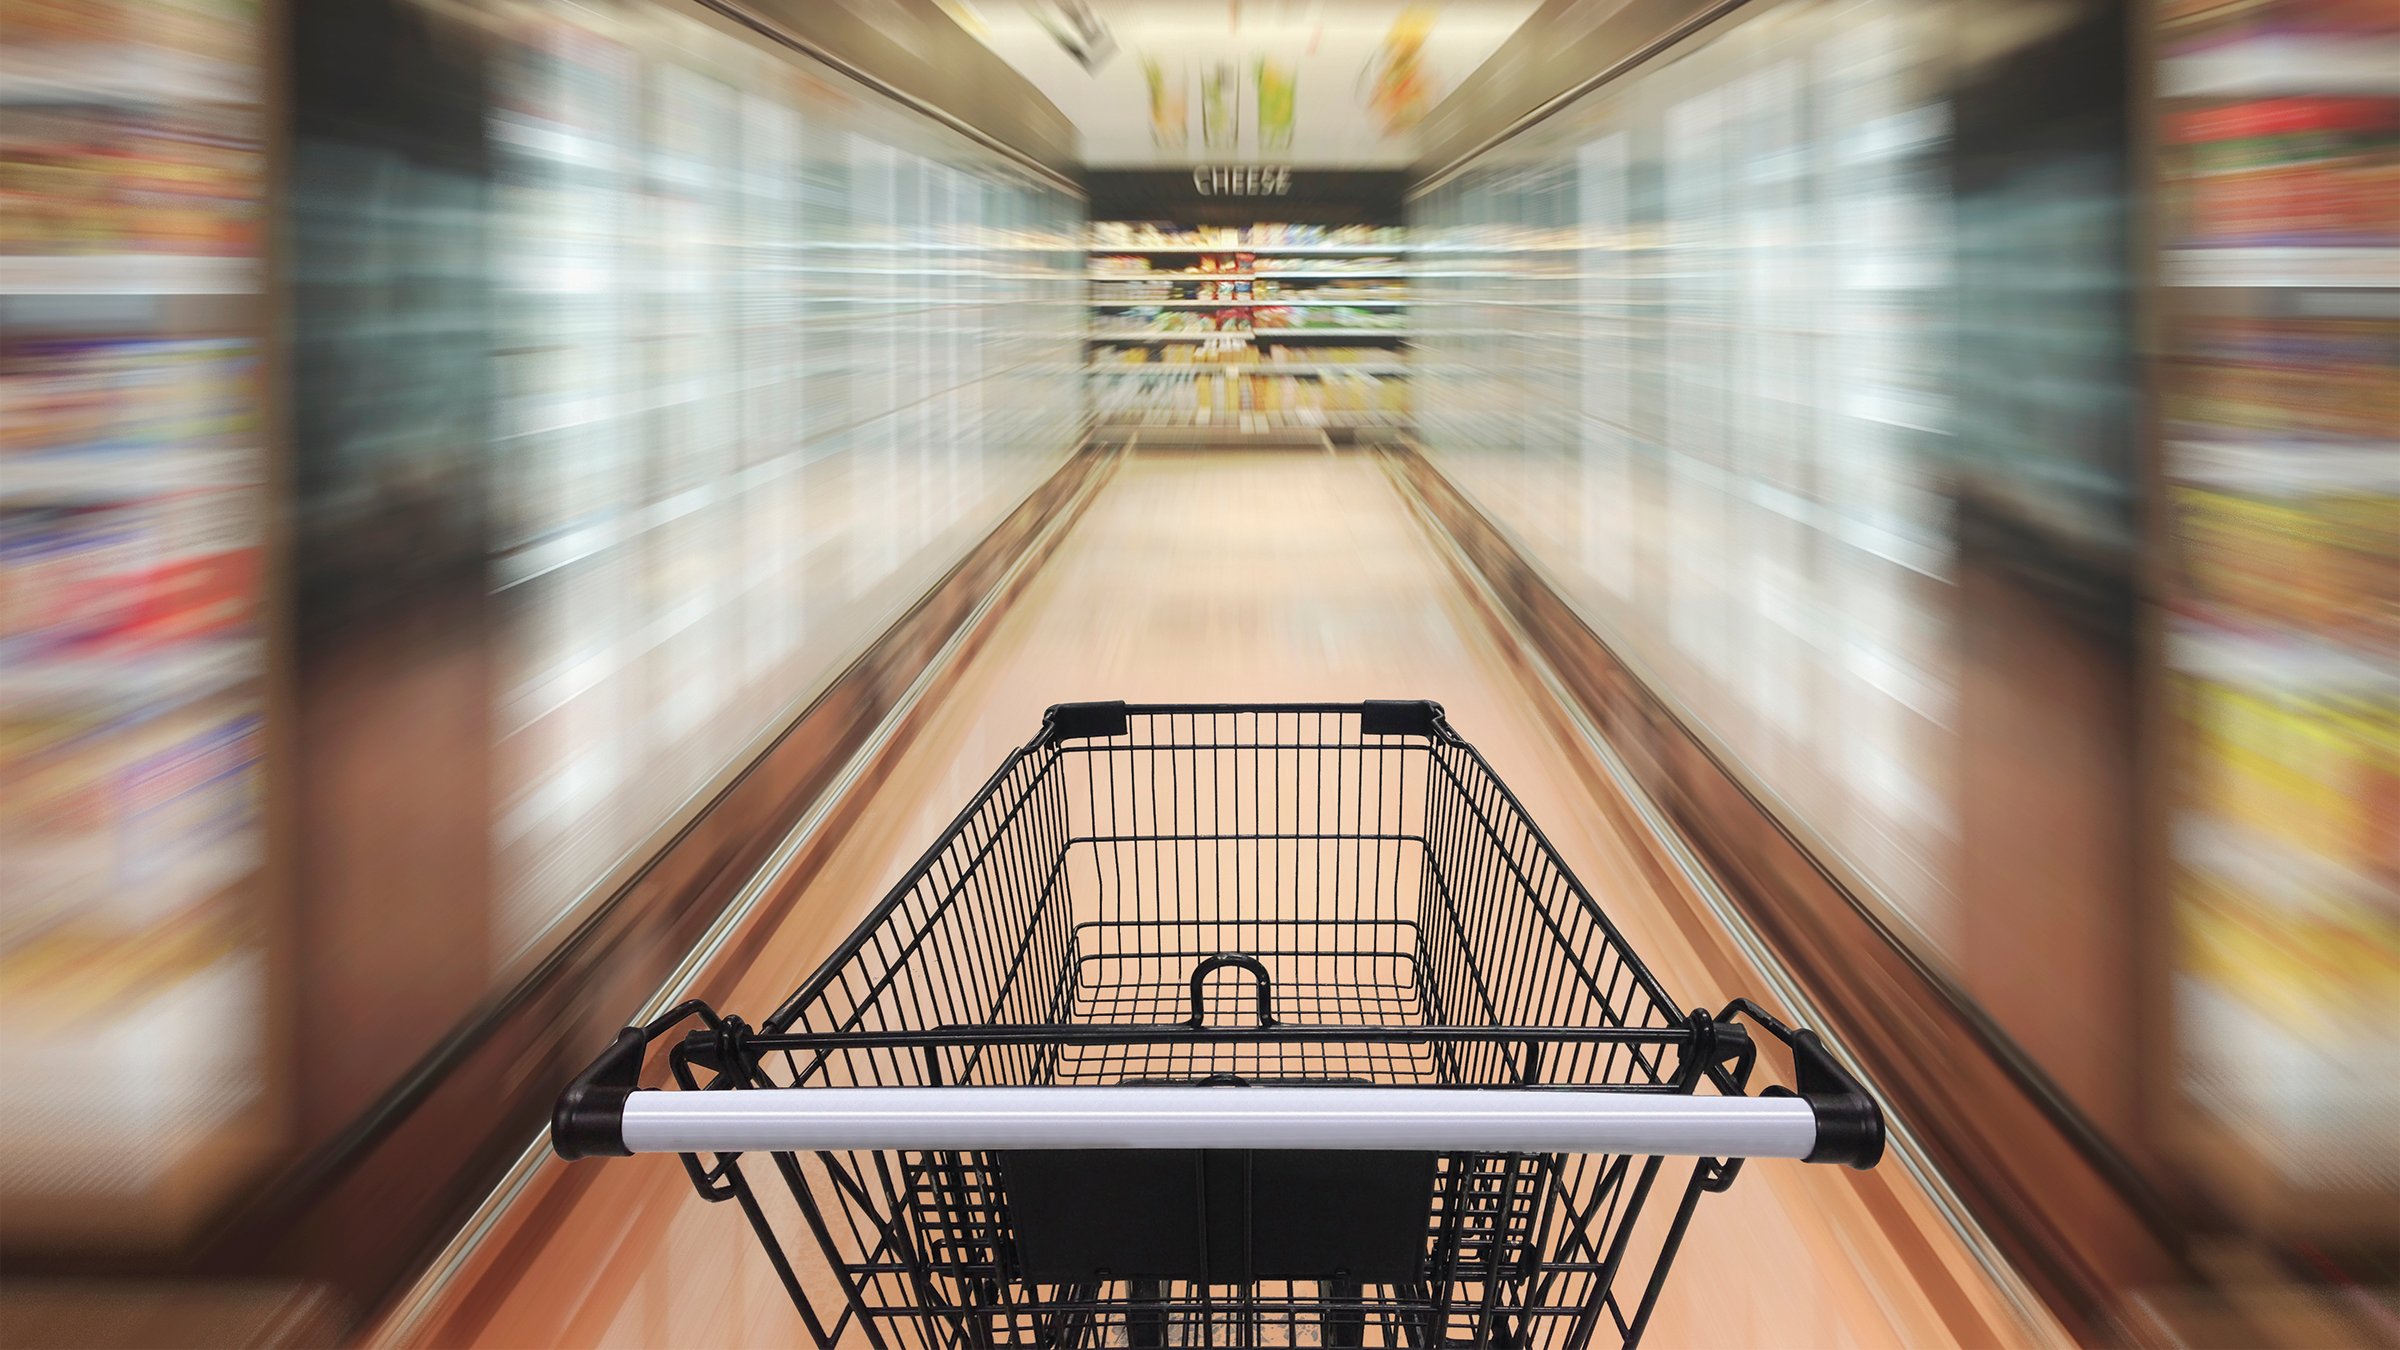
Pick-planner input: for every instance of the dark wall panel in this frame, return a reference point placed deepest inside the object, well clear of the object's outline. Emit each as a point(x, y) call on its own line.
point(1309, 196)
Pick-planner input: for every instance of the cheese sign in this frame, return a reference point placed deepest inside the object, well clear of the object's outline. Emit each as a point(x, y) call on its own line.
point(1242, 180)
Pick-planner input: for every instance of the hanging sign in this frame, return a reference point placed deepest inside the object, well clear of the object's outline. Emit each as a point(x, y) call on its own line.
point(1242, 180)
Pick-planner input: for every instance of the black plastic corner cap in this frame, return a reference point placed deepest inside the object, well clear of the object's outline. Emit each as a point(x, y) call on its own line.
point(1849, 1130)
point(589, 1120)
point(1399, 717)
point(1850, 1126)
point(1078, 721)
point(1849, 1123)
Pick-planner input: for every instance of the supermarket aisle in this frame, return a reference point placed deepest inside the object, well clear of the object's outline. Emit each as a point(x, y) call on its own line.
point(1228, 576)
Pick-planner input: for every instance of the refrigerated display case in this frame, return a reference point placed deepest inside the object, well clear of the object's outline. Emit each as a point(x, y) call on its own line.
point(776, 355)
point(1683, 341)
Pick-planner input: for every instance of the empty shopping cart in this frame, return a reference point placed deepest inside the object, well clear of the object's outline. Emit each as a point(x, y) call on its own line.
point(1273, 1025)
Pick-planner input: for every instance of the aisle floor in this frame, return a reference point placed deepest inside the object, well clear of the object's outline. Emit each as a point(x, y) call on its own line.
point(1221, 577)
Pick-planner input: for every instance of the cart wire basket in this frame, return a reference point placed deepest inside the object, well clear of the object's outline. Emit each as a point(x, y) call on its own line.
point(1226, 1025)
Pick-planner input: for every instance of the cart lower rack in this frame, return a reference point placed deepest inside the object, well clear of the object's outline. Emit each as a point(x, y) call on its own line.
point(1202, 1025)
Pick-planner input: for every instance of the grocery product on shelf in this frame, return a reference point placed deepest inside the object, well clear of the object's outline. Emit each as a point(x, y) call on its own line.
point(179, 179)
point(1251, 398)
point(2316, 378)
point(108, 414)
point(2291, 171)
point(1374, 265)
point(1230, 288)
point(1108, 235)
point(1284, 315)
point(1145, 320)
point(1282, 358)
point(221, 32)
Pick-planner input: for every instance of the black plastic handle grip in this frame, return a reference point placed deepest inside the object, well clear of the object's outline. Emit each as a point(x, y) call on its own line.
point(589, 1120)
point(1201, 972)
point(1849, 1122)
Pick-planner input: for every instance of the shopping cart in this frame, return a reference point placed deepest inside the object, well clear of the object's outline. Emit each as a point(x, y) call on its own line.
point(1276, 1025)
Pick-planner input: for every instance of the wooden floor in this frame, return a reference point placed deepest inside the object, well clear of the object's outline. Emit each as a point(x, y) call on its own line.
point(1217, 577)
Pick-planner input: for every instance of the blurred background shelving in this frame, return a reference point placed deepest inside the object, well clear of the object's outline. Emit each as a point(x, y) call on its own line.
point(2280, 131)
point(134, 470)
point(1218, 328)
point(772, 357)
point(673, 367)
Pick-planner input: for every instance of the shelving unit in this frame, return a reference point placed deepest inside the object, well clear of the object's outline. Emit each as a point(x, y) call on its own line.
point(1227, 330)
point(133, 471)
point(1235, 244)
point(2281, 272)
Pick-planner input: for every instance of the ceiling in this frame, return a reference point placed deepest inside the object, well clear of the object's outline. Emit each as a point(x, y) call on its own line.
point(1311, 83)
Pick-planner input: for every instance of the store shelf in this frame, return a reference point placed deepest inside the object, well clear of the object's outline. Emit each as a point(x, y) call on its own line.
point(85, 871)
point(1280, 333)
point(147, 679)
point(1258, 250)
point(2287, 466)
point(128, 274)
point(1291, 420)
point(94, 476)
point(1169, 337)
point(40, 74)
point(2264, 65)
point(2270, 869)
point(1260, 368)
point(2326, 268)
point(2297, 1140)
point(2290, 662)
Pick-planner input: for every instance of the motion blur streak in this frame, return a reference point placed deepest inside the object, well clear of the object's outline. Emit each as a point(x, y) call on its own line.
point(769, 358)
point(446, 447)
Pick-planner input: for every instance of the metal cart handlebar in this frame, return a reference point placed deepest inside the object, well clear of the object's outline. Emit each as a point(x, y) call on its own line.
point(1830, 1119)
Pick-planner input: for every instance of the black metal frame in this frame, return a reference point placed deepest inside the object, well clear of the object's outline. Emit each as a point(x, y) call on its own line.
point(1393, 917)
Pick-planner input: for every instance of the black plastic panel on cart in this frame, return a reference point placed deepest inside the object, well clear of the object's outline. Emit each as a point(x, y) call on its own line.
point(1217, 1216)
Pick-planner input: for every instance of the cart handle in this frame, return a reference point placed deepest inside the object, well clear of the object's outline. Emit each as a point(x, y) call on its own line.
point(1441, 1120)
point(1238, 961)
point(1831, 1118)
